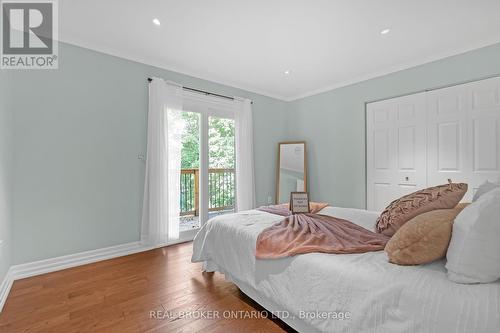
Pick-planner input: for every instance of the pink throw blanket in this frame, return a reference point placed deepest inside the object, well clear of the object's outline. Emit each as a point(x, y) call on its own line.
point(305, 233)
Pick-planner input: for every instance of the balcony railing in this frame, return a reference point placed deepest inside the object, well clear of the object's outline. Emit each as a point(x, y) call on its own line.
point(221, 189)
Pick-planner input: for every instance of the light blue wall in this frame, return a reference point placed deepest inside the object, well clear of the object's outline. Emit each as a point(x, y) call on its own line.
point(78, 131)
point(333, 123)
point(6, 154)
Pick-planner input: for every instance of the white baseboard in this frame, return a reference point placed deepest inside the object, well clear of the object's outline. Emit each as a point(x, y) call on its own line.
point(7, 282)
point(22, 271)
point(55, 264)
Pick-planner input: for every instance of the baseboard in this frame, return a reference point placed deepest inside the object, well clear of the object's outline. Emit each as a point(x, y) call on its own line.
point(55, 264)
point(7, 282)
point(22, 271)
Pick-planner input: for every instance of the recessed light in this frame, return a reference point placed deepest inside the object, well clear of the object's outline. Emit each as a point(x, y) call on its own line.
point(287, 72)
point(385, 31)
point(156, 21)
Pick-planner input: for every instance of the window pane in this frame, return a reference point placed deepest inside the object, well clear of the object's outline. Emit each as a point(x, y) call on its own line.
point(190, 163)
point(221, 173)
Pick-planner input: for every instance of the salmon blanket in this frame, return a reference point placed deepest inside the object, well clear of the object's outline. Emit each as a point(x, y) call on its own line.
point(306, 233)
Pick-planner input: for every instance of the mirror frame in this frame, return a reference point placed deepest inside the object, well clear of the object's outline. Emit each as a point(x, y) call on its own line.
point(277, 197)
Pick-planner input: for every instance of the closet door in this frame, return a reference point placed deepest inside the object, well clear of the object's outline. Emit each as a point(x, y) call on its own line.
point(447, 135)
point(396, 140)
point(483, 131)
point(380, 153)
point(464, 138)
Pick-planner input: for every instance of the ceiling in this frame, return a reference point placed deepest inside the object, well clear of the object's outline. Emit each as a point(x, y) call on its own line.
point(250, 44)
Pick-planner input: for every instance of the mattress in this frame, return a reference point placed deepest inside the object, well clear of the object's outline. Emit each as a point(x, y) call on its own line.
point(345, 292)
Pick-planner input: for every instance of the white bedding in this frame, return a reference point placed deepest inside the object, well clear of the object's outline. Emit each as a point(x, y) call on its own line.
point(380, 297)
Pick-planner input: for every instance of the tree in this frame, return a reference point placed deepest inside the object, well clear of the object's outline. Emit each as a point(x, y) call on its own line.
point(221, 155)
point(190, 156)
point(221, 143)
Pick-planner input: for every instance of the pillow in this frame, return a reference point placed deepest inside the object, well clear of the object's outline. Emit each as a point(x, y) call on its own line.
point(474, 251)
point(484, 188)
point(317, 206)
point(424, 238)
point(404, 209)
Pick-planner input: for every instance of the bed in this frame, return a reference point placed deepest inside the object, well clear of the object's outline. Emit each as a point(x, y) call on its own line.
point(344, 292)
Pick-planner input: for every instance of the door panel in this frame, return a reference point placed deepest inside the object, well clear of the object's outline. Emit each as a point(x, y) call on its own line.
point(397, 128)
point(382, 194)
point(483, 129)
point(406, 148)
point(381, 149)
point(221, 166)
point(425, 139)
point(190, 219)
point(411, 141)
point(448, 146)
point(208, 177)
point(447, 136)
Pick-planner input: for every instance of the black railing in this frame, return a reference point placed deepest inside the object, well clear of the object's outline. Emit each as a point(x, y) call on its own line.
point(221, 190)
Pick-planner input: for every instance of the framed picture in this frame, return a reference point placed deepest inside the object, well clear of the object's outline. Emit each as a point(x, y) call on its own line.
point(299, 202)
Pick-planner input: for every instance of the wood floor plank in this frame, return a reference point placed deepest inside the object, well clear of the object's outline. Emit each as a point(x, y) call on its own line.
point(119, 295)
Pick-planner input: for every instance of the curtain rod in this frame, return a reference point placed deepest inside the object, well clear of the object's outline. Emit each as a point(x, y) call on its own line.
point(204, 92)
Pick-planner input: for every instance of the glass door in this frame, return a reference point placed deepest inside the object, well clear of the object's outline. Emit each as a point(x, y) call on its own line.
point(221, 166)
point(189, 220)
point(208, 180)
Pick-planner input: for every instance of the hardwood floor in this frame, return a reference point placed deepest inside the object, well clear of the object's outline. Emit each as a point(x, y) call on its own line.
point(118, 295)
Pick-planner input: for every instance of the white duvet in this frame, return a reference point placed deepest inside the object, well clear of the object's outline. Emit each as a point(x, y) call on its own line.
point(379, 296)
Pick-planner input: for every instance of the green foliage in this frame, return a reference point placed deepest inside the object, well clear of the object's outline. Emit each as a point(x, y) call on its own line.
point(190, 156)
point(221, 143)
point(221, 155)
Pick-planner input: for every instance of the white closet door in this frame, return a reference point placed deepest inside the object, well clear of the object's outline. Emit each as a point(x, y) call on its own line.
point(380, 152)
point(483, 131)
point(424, 139)
point(447, 136)
point(464, 134)
point(396, 161)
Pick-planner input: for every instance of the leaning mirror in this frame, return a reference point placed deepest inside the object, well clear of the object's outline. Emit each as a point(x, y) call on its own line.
point(291, 171)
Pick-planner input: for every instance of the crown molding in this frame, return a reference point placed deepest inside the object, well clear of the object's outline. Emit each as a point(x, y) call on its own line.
point(158, 64)
point(397, 68)
point(390, 70)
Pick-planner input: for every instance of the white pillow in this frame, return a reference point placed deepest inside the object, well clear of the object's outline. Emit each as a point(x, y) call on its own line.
point(474, 252)
point(484, 188)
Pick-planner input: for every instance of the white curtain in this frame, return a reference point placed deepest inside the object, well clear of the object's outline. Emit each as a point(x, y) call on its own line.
point(245, 178)
point(161, 206)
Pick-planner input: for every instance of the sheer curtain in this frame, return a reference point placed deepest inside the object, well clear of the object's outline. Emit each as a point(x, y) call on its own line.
point(161, 205)
point(245, 178)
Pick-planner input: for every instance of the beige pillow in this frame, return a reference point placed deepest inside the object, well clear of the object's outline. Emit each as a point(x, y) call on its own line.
point(424, 238)
point(405, 208)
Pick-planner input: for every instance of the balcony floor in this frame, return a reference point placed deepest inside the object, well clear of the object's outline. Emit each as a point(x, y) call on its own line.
point(193, 222)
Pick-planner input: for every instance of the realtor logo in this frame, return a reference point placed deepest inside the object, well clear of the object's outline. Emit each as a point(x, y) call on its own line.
point(29, 34)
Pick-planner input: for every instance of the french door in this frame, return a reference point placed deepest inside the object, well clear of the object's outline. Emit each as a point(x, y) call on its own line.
point(207, 186)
